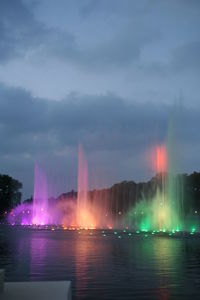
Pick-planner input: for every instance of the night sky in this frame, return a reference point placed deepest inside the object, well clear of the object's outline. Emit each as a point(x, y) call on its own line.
point(112, 75)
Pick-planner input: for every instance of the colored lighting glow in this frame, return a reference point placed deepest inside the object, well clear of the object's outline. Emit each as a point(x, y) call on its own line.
point(40, 198)
point(160, 163)
point(159, 212)
point(162, 212)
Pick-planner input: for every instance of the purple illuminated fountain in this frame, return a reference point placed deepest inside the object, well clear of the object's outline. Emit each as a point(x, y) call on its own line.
point(40, 212)
point(36, 212)
point(108, 208)
point(83, 211)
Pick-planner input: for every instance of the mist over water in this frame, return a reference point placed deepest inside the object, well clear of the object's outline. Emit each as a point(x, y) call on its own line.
point(158, 208)
point(85, 212)
point(162, 211)
point(40, 212)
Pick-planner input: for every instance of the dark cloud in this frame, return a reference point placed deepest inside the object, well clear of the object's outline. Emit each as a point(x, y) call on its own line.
point(187, 57)
point(126, 8)
point(100, 122)
point(17, 108)
point(19, 31)
point(147, 47)
point(110, 129)
point(22, 34)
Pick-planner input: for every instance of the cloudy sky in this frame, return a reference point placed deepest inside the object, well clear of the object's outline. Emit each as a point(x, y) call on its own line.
point(111, 75)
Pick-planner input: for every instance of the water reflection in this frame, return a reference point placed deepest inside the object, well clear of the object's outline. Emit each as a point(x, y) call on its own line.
point(38, 248)
point(164, 260)
point(102, 266)
point(82, 252)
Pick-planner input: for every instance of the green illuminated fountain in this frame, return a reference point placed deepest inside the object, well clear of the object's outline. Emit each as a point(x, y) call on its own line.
point(161, 212)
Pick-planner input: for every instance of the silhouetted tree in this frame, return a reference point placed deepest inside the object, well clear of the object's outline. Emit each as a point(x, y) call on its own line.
point(10, 194)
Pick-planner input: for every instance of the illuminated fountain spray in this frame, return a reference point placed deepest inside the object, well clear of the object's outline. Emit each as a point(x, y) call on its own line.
point(157, 204)
point(40, 215)
point(84, 211)
point(165, 204)
point(160, 202)
point(163, 211)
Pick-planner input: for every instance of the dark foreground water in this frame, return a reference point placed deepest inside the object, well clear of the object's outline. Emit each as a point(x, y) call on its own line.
point(104, 266)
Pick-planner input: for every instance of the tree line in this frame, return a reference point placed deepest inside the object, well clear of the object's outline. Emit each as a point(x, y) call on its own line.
point(124, 194)
point(10, 194)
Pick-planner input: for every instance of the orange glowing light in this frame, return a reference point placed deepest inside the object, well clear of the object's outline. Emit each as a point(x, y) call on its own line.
point(159, 159)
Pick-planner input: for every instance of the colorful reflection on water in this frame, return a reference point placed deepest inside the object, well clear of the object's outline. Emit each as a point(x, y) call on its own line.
point(105, 264)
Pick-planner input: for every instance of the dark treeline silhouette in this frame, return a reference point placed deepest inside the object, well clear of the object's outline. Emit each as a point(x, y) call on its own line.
point(10, 195)
point(121, 196)
point(124, 195)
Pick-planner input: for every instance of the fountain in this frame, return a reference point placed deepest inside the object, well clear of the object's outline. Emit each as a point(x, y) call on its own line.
point(40, 213)
point(161, 211)
point(84, 211)
point(155, 206)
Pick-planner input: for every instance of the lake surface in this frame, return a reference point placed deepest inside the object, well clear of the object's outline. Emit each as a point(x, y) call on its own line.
point(101, 265)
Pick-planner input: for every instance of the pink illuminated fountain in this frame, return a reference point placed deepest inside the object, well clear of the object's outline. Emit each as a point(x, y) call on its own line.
point(87, 211)
point(40, 211)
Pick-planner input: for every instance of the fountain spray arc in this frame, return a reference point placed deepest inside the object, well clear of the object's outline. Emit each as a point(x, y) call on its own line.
point(84, 211)
point(158, 209)
point(163, 210)
point(40, 210)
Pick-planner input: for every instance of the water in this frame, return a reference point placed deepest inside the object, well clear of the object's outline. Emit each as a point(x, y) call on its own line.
point(163, 209)
point(101, 265)
point(84, 210)
point(40, 213)
point(158, 205)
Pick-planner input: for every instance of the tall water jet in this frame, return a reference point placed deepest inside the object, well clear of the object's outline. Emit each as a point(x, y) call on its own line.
point(85, 217)
point(40, 214)
point(161, 208)
point(160, 203)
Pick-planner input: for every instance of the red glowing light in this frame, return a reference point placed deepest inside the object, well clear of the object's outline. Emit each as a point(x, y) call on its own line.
point(159, 159)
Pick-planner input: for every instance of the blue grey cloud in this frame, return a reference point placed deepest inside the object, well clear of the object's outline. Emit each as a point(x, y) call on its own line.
point(187, 57)
point(119, 64)
point(21, 34)
point(109, 127)
point(19, 31)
